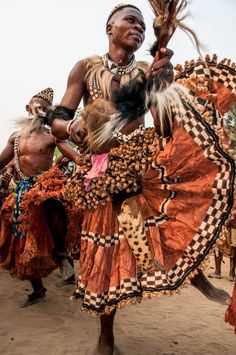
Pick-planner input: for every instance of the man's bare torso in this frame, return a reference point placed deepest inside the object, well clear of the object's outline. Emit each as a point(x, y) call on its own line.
point(35, 152)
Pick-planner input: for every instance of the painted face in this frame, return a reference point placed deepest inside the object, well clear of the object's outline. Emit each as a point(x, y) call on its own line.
point(37, 104)
point(127, 29)
point(42, 104)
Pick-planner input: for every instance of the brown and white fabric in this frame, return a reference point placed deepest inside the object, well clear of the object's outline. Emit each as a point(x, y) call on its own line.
point(186, 197)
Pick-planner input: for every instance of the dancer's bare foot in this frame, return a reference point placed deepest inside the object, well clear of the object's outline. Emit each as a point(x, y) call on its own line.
point(214, 275)
point(207, 289)
point(105, 345)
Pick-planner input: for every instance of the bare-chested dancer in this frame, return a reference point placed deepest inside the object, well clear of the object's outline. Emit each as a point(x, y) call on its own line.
point(32, 147)
point(96, 77)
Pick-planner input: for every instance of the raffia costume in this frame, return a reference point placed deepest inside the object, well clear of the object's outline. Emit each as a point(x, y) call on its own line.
point(183, 187)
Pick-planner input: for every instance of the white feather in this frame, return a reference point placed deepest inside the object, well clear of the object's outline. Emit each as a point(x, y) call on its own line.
point(162, 99)
point(33, 122)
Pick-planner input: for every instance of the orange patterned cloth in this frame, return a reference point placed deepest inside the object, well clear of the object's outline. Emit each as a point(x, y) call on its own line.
point(187, 195)
point(50, 185)
point(31, 257)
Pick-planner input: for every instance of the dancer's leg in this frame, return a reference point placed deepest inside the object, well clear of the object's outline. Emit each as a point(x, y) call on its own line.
point(207, 289)
point(217, 273)
point(232, 268)
point(57, 221)
point(106, 339)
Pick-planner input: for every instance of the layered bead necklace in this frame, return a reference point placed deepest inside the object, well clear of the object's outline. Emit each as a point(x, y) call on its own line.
point(17, 162)
point(117, 71)
point(115, 68)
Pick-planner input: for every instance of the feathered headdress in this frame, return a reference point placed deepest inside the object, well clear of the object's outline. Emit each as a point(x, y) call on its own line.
point(35, 121)
point(169, 16)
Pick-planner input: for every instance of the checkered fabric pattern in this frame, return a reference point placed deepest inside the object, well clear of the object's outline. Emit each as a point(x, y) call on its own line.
point(103, 240)
point(159, 280)
point(155, 221)
point(97, 302)
point(198, 100)
point(216, 210)
point(220, 73)
point(225, 76)
point(198, 248)
point(154, 280)
point(202, 70)
point(195, 128)
point(214, 72)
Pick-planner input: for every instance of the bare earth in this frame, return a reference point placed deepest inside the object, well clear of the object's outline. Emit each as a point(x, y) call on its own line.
point(182, 324)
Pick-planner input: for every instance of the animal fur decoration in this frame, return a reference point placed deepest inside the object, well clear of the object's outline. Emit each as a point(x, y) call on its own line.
point(136, 99)
point(35, 122)
point(169, 16)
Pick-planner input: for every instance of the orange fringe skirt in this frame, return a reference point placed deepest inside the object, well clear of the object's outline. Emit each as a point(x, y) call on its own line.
point(186, 198)
point(31, 257)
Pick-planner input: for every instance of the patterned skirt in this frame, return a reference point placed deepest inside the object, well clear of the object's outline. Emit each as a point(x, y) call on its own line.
point(27, 254)
point(156, 241)
point(28, 251)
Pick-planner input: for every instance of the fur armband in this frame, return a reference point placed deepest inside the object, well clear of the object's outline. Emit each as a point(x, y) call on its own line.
point(60, 112)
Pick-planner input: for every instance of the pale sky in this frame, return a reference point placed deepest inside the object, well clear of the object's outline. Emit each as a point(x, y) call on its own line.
point(42, 40)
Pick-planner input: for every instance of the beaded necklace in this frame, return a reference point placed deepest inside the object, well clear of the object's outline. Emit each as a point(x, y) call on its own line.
point(115, 70)
point(17, 163)
point(94, 87)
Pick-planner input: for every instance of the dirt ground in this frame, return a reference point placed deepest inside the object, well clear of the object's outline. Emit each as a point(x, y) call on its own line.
point(185, 324)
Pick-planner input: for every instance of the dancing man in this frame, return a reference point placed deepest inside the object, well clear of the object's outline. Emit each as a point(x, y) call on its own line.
point(37, 253)
point(110, 273)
